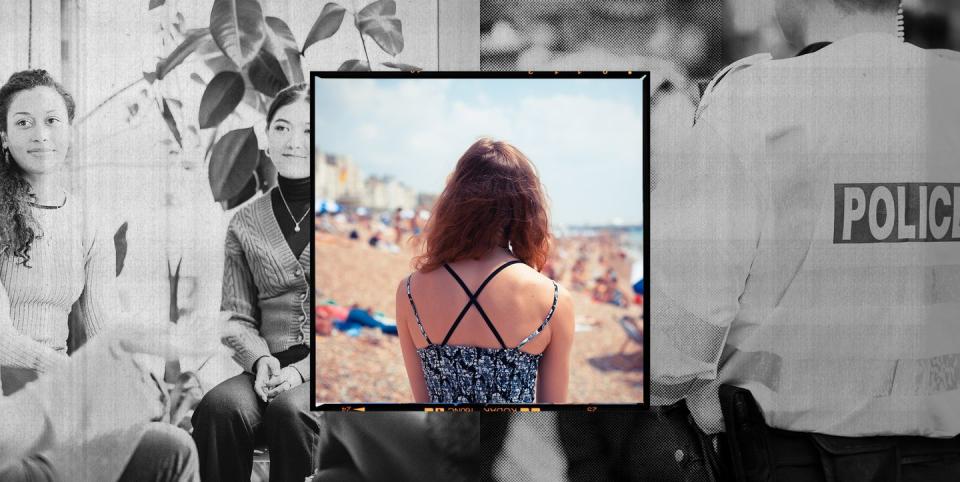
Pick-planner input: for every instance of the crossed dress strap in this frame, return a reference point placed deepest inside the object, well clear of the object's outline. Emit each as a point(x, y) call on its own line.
point(473, 301)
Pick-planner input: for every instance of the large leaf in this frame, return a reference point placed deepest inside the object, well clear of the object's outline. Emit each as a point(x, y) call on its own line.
point(399, 66)
point(232, 163)
point(249, 189)
point(120, 246)
point(155, 3)
point(171, 123)
point(193, 39)
point(238, 28)
point(283, 45)
point(221, 63)
point(220, 98)
point(266, 74)
point(266, 172)
point(326, 25)
point(354, 65)
point(281, 35)
point(379, 21)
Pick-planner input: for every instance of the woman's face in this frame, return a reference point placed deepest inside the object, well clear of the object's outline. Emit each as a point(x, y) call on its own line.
point(288, 138)
point(38, 131)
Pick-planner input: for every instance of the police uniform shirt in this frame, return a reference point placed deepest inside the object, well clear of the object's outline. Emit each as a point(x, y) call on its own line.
point(809, 250)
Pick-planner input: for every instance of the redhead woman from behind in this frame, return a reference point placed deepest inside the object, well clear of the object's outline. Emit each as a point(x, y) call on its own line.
point(478, 322)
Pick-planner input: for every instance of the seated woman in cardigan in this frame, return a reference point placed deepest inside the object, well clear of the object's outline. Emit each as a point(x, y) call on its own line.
point(265, 288)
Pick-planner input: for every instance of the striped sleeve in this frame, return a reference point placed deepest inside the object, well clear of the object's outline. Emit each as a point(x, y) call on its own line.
point(98, 304)
point(18, 350)
point(240, 300)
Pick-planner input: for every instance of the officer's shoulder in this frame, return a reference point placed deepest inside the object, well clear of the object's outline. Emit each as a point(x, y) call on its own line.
point(727, 75)
point(947, 54)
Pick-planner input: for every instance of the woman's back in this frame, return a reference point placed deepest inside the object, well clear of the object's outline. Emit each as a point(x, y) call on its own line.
point(477, 325)
point(482, 341)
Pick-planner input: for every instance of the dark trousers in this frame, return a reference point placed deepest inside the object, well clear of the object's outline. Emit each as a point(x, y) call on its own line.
point(799, 456)
point(231, 420)
point(758, 453)
point(165, 454)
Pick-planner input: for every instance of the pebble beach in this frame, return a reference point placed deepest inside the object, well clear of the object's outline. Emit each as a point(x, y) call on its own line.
point(368, 367)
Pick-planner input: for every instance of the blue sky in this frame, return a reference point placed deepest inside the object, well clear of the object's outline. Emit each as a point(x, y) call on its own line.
point(584, 135)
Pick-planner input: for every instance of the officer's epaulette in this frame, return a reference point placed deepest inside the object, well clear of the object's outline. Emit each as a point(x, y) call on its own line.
point(737, 66)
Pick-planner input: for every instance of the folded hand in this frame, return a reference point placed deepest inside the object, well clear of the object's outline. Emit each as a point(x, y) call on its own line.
point(288, 378)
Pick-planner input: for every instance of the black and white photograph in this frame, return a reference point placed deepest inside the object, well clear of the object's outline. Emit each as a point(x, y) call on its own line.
point(155, 229)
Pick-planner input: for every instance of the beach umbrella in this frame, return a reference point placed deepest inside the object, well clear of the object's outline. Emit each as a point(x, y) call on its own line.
point(331, 207)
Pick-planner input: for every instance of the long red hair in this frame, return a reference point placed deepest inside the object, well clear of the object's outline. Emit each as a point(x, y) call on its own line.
point(492, 198)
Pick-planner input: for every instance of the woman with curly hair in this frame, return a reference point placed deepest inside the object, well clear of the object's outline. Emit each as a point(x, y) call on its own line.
point(54, 262)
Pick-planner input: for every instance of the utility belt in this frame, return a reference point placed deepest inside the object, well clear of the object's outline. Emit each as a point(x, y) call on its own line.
point(758, 453)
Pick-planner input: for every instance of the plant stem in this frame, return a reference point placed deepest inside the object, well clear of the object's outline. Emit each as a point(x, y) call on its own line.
point(108, 99)
point(364, 43)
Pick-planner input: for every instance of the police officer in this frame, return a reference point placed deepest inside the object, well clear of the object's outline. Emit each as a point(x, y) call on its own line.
point(806, 257)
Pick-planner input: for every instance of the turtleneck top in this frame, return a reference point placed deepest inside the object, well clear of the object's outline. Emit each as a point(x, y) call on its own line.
point(299, 198)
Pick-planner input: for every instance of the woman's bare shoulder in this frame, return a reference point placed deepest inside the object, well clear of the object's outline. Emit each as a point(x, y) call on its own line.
point(534, 279)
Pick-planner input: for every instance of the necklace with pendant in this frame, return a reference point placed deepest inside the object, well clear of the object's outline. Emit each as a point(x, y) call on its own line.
point(296, 223)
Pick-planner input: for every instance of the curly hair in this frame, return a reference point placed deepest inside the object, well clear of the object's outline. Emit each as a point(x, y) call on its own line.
point(18, 227)
point(493, 198)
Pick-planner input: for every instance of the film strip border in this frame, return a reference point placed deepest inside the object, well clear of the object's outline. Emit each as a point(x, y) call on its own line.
point(641, 75)
point(474, 408)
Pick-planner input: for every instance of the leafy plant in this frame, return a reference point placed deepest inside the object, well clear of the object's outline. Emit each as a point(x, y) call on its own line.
point(378, 20)
point(254, 57)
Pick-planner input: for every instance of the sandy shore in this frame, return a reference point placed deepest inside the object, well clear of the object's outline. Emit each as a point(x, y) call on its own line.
point(369, 367)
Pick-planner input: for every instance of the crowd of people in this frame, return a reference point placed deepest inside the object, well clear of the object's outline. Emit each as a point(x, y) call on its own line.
point(596, 263)
point(386, 229)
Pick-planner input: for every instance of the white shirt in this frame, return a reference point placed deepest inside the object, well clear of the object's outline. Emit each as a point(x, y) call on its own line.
point(773, 267)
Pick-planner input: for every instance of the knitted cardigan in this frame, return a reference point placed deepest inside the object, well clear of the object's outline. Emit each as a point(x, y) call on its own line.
point(265, 288)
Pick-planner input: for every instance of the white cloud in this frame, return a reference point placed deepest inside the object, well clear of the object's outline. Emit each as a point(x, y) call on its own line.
point(587, 148)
